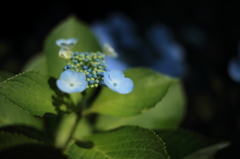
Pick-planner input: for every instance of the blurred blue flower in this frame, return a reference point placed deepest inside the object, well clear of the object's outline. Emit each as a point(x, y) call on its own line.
point(159, 51)
point(234, 67)
point(119, 32)
point(72, 82)
point(171, 60)
point(116, 81)
point(169, 67)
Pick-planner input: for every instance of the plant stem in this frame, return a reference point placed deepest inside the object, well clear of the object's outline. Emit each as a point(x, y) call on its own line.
point(78, 112)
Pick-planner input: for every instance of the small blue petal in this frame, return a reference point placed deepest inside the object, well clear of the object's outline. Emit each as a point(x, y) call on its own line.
point(126, 86)
point(116, 81)
point(72, 82)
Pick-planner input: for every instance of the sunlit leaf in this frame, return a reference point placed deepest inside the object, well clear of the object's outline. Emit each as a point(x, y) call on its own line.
point(125, 142)
point(12, 115)
point(149, 88)
point(36, 93)
point(168, 113)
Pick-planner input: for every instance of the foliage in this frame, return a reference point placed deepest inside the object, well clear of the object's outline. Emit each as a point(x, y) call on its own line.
point(97, 123)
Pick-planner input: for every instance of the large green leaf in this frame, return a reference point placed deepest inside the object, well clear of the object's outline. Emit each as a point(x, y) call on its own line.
point(69, 28)
point(185, 144)
point(168, 113)
point(126, 142)
point(12, 115)
point(149, 88)
point(37, 63)
point(36, 93)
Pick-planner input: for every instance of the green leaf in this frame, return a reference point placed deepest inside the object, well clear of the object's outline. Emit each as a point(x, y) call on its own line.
point(36, 93)
point(182, 143)
point(12, 115)
point(168, 113)
point(37, 63)
point(149, 88)
point(4, 75)
point(8, 140)
point(122, 143)
point(69, 28)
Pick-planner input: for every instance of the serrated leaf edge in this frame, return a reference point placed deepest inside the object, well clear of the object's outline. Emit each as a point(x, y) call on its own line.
point(154, 133)
point(6, 81)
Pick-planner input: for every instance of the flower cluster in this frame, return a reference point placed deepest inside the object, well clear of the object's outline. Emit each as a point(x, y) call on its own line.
point(92, 65)
point(84, 70)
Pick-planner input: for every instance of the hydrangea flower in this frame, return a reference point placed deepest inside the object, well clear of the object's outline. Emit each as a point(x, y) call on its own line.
point(66, 45)
point(116, 81)
point(72, 82)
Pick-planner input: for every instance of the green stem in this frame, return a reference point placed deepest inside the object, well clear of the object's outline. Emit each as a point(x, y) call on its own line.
point(78, 112)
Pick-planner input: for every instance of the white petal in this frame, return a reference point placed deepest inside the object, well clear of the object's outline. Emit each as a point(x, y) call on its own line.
point(65, 53)
point(80, 88)
point(107, 77)
point(108, 82)
point(116, 76)
point(64, 87)
point(66, 43)
point(80, 78)
point(126, 86)
point(68, 76)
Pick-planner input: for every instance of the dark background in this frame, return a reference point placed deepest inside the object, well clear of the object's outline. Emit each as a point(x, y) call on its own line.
point(213, 98)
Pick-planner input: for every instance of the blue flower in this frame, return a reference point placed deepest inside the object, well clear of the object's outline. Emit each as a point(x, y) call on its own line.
point(116, 81)
point(72, 82)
